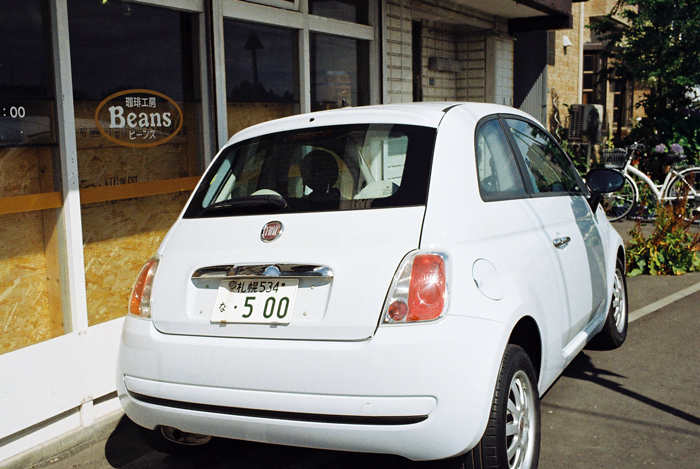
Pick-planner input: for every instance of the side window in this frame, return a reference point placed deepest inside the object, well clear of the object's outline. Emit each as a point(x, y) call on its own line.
point(497, 169)
point(547, 166)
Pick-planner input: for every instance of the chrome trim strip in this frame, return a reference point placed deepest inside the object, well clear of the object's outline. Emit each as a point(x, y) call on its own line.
point(262, 270)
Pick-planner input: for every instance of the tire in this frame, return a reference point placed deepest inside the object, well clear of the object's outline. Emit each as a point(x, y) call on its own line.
point(614, 331)
point(690, 180)
point(512, 436)
point(619, 204)
point(170, 440)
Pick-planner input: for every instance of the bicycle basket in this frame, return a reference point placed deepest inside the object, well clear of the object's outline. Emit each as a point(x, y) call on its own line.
point(615, 158)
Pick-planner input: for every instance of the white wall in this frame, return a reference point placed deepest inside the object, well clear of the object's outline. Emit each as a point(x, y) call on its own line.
point(50, 388)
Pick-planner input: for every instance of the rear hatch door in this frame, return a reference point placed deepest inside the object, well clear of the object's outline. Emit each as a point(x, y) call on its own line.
point(325, 277)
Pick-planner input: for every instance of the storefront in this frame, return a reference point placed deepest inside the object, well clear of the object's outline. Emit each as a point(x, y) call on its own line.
point(111, 110)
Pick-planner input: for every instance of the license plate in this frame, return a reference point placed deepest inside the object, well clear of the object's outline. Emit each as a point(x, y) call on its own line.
point(255, 301)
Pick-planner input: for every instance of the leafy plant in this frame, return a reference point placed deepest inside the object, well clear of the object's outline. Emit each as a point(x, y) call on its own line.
point(655, 48)
point(670, 249)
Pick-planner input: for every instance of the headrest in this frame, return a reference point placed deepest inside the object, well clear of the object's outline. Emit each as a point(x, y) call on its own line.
point(319, 170)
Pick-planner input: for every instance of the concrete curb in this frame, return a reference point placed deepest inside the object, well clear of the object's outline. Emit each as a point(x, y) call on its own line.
point(65, 445)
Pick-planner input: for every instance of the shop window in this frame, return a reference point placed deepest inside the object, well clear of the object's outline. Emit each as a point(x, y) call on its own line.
point(261, 73)
point(339, 72)
point(30, 291)
point(137, 118)
point(354, 11)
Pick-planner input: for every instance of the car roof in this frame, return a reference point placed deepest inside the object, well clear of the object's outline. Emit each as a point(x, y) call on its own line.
point(427, 114)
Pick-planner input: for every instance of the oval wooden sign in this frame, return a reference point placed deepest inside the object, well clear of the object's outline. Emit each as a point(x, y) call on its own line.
point(138, 118)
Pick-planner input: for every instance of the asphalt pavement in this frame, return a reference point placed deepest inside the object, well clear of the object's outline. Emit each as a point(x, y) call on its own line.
point(634, 407)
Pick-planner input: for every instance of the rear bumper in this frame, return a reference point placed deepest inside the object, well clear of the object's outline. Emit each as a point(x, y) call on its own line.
point(419, 391)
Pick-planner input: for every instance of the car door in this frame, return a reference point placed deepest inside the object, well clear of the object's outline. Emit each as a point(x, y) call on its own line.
point(559, 201)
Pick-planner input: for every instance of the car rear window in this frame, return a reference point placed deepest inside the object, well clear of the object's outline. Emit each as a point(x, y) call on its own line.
point(346, 167)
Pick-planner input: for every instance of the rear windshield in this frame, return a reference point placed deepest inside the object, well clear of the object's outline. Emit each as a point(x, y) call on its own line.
point(346, 167)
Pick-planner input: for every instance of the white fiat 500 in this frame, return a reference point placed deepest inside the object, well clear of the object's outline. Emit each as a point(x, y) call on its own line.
point(404, 279)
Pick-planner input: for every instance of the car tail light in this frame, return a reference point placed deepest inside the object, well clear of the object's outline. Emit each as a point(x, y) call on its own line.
point(419, 289)
point(140, 300)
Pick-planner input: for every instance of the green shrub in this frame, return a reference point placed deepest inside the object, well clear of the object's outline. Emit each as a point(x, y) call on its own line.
point(670, 249)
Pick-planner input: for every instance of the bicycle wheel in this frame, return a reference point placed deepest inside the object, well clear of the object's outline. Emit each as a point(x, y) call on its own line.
point(687, 180)
point(619, 204)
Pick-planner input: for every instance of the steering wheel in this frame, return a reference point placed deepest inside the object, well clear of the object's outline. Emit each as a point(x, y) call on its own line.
point(266, 192)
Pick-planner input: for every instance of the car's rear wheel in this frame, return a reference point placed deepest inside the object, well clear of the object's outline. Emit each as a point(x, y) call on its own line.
point(173, 441)
point(512, 437)
point(614, 331)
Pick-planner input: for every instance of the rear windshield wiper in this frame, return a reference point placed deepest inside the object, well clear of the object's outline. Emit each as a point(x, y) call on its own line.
point(248, 201)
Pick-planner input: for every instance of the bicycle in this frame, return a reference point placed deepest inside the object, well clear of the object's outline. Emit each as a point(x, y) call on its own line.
point(620, 204)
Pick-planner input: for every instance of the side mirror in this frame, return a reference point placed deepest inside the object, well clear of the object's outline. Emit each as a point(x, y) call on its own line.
point(603, 181)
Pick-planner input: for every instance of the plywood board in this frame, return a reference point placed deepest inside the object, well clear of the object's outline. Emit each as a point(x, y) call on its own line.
point(242, 115)
point(25, 313)
point(119, 237)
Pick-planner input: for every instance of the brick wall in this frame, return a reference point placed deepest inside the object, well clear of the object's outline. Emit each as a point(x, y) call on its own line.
point(439, 85)
point(484, 61)
point(563, 71)
point(471, 82)
point(398, 51)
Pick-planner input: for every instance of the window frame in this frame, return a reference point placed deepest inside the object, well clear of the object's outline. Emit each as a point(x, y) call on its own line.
point(412, 192)
point(583, 188)
point(265, 12)
point(502, 196)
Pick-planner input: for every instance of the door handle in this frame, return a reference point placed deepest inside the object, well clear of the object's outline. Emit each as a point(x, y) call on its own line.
point(561, 242)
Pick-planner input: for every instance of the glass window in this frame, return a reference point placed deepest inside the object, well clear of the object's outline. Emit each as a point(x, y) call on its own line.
point(138, 115)
point(339, 72)
point(499, 177)
point(261, 73)
point(30, 292)
point(345, 167)
point(548, 167)
point(354, 11)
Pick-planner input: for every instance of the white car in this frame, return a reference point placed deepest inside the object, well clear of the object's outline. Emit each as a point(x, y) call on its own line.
point(404, 279)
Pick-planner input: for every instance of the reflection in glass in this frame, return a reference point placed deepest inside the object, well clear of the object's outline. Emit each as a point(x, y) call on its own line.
point(30, 291)
point(261, 73)
point(345, 10)
point(117, 47)
point(499, 177)
point(339, 72)
point(26, 74)
point(25, 62)
point(548, 167)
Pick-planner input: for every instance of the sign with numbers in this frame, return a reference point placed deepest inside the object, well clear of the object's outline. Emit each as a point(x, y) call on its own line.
point(255, 300)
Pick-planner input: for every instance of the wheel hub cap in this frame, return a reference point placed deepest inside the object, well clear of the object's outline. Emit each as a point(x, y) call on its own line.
point(519, 414)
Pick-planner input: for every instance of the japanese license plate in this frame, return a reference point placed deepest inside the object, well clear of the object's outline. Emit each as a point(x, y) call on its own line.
point(255, 301)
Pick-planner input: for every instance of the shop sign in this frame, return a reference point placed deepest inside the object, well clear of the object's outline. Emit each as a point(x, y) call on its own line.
point(138, 118)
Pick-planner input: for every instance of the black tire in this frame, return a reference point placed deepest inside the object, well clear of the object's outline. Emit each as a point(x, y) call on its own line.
point(517, 383)
point(614, 331)
point(173, 441)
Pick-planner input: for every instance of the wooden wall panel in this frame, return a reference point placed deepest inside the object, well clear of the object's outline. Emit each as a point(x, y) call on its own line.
point(22, 170)
point(30, 293)
point(25, 313)
point(242, 115)
point(119, 237)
